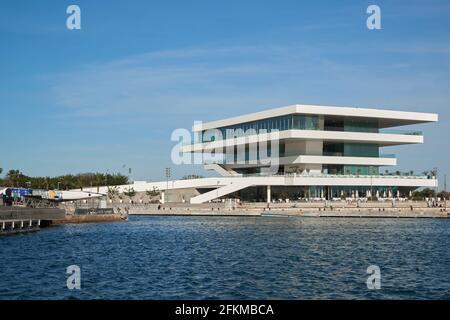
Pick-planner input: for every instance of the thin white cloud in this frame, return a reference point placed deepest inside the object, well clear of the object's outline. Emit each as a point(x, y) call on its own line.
point(197, 81)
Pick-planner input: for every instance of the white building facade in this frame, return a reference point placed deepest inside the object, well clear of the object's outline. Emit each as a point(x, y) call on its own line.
point(304, 152)
point(298, 152)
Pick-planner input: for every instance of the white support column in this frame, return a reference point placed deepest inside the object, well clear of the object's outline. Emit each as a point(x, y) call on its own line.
point(31, 223)
point(39, 223)
point(21, 224)
point(163, 197)
point(12, 225)
point(3, 225)
point(269, 193)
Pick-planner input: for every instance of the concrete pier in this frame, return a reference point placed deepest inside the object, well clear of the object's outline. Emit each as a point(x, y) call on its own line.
point(92, 218)
point(19, 226)
point(26, 213)
point(25, 219)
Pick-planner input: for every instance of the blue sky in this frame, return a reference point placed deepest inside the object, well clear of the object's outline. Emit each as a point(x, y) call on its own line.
point(111, 93)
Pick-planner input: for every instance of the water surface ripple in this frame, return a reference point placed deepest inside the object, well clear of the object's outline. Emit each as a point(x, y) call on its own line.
point(231, 258)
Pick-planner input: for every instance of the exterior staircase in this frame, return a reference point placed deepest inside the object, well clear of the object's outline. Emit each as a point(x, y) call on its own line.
point(220, 192)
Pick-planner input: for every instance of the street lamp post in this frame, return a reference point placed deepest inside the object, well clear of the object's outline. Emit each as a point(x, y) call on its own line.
point(445, 192)
point(106, 184)
point(434, 173)
point(217, 190)
point(167, 171)
point(129, 173)
point(371, 188)
point(167, 177)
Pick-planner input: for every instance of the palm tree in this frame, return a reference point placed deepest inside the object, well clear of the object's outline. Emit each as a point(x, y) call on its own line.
point(152, 193)
point(130, 192)
point(113, 192)
point(434, 172)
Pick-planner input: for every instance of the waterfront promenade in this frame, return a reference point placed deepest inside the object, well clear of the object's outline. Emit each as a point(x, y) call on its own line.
point(407, 209)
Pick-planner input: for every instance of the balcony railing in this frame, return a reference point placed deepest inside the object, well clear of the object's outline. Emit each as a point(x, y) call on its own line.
point(387, 155)
point(341, 154)
point(323, 175)
point(404, 132)
point(245, 133)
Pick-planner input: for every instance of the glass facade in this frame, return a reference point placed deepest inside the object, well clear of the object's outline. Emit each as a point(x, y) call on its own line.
point(303, 122)
point(360, 170)
point(249, 155)
point(350, 149)
point(289, 122)
point(333, 149)
point(350, 170)
point(352, 125)
point(360, 126)
point(360, 150)
point(310, 122)
point(294, 193)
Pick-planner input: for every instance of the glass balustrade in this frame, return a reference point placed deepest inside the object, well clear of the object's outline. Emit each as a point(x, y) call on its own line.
point(403, 132)
point(298, 122)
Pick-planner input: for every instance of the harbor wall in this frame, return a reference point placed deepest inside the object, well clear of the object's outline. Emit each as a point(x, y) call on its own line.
point(407, 209)
point(27, 213)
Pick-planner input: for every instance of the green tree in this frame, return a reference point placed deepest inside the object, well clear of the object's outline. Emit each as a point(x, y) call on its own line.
point(152, 193)
point(130, 192)
point(113, 192)
point(425, 193)
point(15, 178)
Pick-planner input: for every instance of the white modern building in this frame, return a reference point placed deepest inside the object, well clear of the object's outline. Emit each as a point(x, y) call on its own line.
point(300, 152)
